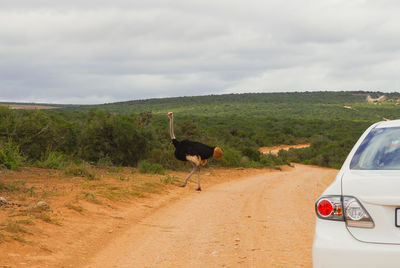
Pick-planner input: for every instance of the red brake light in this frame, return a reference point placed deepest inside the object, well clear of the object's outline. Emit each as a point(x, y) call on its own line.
point(324, 208)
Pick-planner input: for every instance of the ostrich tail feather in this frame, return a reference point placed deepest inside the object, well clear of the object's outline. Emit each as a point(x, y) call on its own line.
point(218, 153)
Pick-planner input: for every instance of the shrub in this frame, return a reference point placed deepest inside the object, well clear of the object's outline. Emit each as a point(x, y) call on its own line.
point(147, 167)
point(169, 180)
point(231, 158)
point(251, 153)
point(54, 160)
point(166, 158)
point(270, 160)
point(104, 162)
point(116, 137)
point(82, 170)
point(115, 170)
point(10, 156)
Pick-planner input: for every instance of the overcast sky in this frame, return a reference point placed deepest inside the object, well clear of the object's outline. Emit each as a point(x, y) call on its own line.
point(106, 51)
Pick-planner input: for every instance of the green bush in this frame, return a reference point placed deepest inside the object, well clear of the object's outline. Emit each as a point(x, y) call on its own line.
point(104, 162)
point(81, 170)
point(10, 156)
point(231, 158)
point(147, 167)
point(271, 161)
point(116, 137)
point(115, 170)
point(251, 153)
point(54, 160)
point(166, 158)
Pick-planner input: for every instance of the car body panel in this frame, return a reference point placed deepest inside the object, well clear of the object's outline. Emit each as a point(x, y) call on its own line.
point(334, 247)
point(378, 191)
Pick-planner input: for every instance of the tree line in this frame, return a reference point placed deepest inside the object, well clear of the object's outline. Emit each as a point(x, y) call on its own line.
point(102, 137)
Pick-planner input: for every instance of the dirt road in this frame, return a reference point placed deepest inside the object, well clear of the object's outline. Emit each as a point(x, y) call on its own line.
point(262, 221)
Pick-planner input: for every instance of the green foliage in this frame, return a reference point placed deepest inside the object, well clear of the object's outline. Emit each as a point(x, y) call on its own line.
point(165, 157)
point(54, 160)
point(231, 157)
point(115, 137)
point(17, 186)
point(169, 180)
point(10, 156)
point(130, 132)
point(115, 169)
point(104, 162)
point(147, 167)
point(270, 160)
point(81, 170)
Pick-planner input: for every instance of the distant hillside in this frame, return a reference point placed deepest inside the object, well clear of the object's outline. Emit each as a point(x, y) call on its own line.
point(127, 133)
point(31, 106)
point(297, 105)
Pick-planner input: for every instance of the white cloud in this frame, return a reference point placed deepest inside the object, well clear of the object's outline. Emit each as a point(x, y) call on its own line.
point(104, 51)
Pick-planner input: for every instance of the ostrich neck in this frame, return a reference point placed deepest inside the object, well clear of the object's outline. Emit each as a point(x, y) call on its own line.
point(171, 128)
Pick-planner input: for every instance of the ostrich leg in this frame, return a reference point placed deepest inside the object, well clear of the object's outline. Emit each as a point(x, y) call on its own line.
point(188, 177)
point(198, 180)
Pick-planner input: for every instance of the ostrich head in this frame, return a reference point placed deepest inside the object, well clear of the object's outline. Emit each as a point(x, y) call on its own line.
point(170, 114)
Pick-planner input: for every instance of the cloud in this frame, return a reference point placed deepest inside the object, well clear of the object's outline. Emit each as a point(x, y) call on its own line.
point(102, 51)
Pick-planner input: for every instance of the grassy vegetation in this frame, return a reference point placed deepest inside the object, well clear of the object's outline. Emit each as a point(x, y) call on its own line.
point(136, 132)
point(81, 170)
point(147, 167)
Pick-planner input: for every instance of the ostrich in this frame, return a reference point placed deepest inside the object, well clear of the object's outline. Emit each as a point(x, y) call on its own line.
point(194, 152)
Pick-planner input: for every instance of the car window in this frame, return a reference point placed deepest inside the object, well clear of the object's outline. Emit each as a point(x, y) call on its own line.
point(379, 150)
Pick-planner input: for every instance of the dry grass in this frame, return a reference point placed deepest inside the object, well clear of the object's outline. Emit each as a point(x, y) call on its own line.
point(76, 208)
point(12, 230)
point(76, 187)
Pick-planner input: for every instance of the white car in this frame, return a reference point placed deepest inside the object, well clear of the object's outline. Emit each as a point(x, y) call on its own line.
point(358, 215)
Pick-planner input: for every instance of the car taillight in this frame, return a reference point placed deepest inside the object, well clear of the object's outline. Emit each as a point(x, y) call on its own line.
point(325, 208)
point(355, 214)
point(344, 208)
point(329, 207)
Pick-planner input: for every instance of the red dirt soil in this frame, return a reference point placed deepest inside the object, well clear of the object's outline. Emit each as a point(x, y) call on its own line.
point(275, 149)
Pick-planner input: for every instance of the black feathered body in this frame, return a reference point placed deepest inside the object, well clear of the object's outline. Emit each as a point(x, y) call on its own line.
point(186, 148)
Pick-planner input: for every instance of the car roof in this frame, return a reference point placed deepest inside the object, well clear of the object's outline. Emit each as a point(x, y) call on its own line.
point(386, 124)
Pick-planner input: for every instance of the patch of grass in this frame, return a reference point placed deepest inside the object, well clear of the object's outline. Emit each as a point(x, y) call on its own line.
point(20, 238)
point(76, 208)
point(44, 248)
point(54, 160)
point(12, 230)
point(54, 193)
point(18, 214)
point(122, 178)
point(147, 167)
point(47, 218)
point(82, 170)
point(149, 187)
point(14, 227)
point(104, 162)
point(115, 170)
point(17, 186)
point(116, 193)
point(25, 222)
point(169, 180)
point(91, 197)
